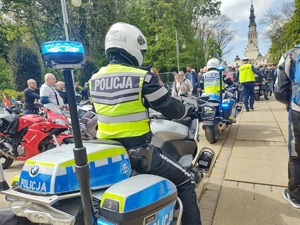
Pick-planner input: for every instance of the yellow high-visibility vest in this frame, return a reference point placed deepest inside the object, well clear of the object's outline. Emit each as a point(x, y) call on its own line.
point(246, 74)
point(116, 92)
point(212, 82)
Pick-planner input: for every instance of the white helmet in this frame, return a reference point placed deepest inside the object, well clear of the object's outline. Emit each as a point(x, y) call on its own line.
point(213, 63)
point(128, 40)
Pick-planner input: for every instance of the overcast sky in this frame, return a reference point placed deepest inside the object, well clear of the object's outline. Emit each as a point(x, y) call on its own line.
point(239, 11)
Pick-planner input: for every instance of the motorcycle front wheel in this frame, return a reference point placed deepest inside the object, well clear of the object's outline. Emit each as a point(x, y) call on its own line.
point(6, 161)
point(212, 133)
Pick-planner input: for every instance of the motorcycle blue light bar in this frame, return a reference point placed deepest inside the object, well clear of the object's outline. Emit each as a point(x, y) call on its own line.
point(221, 68)
point(63, 54)
point(53, 47)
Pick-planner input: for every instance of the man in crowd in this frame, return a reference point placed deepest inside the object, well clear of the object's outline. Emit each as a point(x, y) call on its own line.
point(271, 78)
point(193, 77)
point(60, 88)
point(200, 82)
point(48, 93)
point(31, 95)
point(85, 92)
point(287, 92)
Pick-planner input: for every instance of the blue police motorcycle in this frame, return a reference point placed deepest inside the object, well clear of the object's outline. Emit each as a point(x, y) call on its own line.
point(94, 183)
point(222, 110)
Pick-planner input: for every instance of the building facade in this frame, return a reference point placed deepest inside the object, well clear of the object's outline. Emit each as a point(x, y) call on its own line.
point(251, 51)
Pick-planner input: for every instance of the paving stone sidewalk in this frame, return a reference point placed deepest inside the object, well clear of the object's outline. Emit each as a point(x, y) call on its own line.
point(250, 172)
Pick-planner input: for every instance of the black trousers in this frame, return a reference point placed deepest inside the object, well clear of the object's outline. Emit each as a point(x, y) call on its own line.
point(294, 152)
point(166, 167)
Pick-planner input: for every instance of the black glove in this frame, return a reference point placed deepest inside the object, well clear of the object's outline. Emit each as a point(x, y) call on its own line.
point(191, 112)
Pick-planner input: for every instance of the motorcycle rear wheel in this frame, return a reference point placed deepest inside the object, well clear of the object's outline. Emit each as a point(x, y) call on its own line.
point(212, 133)
point(257, 95)
point(6, 161)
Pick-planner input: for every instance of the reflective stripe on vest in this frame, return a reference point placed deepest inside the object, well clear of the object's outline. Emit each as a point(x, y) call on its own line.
point(246, 74)
point(212, 82)
point(126, 118)
point(116, 92)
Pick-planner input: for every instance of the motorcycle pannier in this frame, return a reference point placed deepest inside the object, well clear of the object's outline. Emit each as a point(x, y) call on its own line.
point(142, 199)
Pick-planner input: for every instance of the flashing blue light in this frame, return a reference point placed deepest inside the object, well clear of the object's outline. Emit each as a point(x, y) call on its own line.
point(225, 105)
point(102, 222)
point(53, 47)
point(221, 68)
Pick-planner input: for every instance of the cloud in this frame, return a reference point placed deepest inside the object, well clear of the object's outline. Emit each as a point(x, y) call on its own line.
point(239, 10)
point(238, 38)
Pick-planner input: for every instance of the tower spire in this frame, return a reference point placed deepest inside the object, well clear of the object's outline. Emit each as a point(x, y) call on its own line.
point(252, 16)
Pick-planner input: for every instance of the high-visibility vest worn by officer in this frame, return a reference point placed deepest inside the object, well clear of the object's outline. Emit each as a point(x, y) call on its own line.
point(212, 82)
point(116, 92)
point(246, 74)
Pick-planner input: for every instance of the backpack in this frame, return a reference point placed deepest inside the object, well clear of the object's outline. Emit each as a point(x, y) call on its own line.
point(296, 82)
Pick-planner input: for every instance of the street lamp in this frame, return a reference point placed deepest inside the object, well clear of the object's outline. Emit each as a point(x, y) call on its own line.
point(177, 48)
point(75, 3)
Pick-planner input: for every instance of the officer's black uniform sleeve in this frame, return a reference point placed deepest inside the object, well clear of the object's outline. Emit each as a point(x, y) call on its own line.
point(283, 84)
point(257, 72)
point(158, 98)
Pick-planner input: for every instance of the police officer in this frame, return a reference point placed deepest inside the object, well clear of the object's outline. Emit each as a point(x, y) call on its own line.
point(121, 94)
point(212, 77)
point(246, 77)
point(283, 92)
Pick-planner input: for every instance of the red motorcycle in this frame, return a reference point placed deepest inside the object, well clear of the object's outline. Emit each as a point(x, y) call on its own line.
point(22, 137)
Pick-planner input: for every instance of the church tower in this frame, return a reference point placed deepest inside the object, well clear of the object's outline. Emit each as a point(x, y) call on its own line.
point(252, 51)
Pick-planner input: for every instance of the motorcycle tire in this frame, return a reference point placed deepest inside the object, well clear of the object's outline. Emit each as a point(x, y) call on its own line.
point(7, 162)
point(257, 97)
point(212, 133)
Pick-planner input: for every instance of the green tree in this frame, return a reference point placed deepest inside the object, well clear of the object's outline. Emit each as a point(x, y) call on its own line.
point(5, 75)
point(158, 20)
point(25, 64)
point(292, 28)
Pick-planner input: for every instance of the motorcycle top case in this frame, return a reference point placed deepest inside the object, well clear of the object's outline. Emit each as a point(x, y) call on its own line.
point(53, 171)
point(142, 199)
point(226, 107)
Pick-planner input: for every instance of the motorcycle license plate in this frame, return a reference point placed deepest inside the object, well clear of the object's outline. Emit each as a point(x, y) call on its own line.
point(256, 87)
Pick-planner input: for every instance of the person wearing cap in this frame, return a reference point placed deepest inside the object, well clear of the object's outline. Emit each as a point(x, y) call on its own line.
point(246, 77)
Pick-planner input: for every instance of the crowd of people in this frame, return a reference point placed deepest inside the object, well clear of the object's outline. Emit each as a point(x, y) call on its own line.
point(50, 92)
point(192, 83)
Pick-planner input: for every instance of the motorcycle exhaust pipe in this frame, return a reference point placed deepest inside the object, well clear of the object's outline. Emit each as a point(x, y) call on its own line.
point(7, 155)
point(3, 184)
point(222, 126)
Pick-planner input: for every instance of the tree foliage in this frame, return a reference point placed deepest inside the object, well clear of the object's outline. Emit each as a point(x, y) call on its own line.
point(33, 22)
point(282, 28)
point(25, 64)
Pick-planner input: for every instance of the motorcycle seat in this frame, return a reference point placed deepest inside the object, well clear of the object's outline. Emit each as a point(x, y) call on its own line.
point(186, 121)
